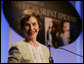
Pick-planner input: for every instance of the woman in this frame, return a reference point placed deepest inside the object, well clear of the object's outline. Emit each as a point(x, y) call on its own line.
point(29, 50)
point(65, 35)
point(49, 36)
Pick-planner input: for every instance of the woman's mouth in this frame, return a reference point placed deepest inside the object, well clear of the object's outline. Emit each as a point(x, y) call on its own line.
point(31, 33)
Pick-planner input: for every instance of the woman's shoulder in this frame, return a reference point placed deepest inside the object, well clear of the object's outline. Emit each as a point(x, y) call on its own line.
point(17, 44)
point(45, 50)
point(44, 47)
point(20, 46)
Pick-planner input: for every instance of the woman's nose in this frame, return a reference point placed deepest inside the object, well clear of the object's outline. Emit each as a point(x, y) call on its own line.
point(31, 27)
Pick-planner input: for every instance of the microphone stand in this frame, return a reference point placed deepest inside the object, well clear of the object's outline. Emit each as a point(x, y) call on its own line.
point(50, 58)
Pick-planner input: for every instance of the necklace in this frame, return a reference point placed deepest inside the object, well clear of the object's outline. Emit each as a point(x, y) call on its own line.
point(36, 53)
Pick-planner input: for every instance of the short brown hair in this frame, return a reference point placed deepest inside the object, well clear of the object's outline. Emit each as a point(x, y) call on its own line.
point(27, 14)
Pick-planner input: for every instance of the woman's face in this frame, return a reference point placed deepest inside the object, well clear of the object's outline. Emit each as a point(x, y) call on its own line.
point(31, 28)
point(66, 26)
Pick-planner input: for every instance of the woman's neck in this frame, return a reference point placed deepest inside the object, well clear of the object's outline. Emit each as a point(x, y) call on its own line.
point(33, 42)
point(30, 40)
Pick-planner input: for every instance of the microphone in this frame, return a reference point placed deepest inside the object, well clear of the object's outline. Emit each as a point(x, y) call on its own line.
point(50, 58)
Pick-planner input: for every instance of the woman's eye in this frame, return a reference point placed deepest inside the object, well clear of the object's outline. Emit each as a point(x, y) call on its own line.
point(26, 24)
point(34, 24)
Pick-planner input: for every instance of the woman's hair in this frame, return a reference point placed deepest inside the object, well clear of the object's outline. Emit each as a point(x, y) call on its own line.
point(27, 14)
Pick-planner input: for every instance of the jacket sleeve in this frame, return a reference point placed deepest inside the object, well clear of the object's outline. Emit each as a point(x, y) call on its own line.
point(14, 55)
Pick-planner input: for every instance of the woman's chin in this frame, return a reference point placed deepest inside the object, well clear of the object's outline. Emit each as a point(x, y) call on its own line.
point(32, 37)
